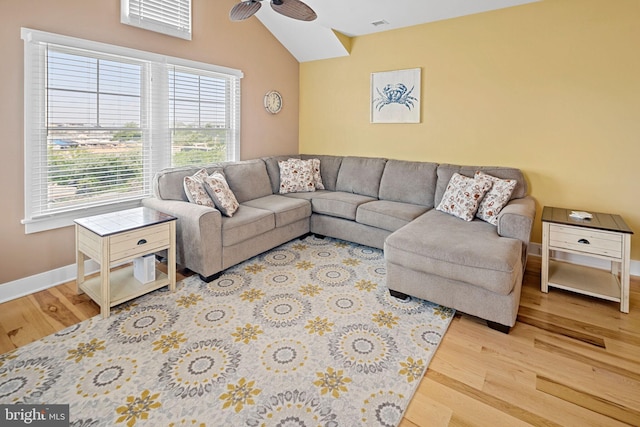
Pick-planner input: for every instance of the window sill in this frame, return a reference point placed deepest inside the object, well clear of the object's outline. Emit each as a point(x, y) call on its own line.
point(66, 219)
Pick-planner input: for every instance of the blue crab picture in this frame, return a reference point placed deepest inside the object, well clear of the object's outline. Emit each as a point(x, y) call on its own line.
point(400, 87)
point(396, 93)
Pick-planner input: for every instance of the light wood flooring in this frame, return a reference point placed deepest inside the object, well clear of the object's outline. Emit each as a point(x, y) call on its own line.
point(570, 360)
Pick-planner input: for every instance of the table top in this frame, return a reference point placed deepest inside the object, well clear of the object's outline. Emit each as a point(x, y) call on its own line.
point(121, 221)
point(600, 221)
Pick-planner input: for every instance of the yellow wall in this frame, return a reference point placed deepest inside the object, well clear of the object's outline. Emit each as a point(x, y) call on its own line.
point(247, 46)
point(551, 87)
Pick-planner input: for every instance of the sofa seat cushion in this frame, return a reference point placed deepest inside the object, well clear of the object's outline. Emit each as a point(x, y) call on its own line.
point(388, 215)
point(245, 224)
point(472, 252)
point(339, 204)
point(309, 195)
point(287, 210)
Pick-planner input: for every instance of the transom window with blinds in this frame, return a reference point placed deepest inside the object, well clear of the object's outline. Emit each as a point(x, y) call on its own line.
point(171, 17)
point(101, 120)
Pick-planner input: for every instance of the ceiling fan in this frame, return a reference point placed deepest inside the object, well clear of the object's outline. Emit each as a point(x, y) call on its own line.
point(292, 8)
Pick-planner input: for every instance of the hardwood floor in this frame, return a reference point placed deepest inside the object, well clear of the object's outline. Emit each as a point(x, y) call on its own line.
point(570, 360)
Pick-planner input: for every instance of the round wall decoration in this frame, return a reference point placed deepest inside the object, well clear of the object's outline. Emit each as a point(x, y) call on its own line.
point(273, 102)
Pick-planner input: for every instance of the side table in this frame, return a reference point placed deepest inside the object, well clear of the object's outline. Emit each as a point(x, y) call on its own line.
point(119, 237)
point(605, 236)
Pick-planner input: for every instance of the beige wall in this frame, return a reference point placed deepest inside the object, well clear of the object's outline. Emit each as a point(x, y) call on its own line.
point(551, 87)
point(247, 46)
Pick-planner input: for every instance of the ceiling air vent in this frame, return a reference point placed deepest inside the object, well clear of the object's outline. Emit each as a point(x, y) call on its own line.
point(379, 23)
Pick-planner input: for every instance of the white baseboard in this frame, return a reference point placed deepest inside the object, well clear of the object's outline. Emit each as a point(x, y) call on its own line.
point(38, 282)
point(535, 249)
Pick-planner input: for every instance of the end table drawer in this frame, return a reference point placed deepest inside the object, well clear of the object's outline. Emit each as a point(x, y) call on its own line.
point(586, 240)
point(138, 242)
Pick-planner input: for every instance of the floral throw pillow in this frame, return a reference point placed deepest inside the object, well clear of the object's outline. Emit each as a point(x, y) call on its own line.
point(296, 176)
point(194, 188)
point(315, 169)
point(222, 196)
point(463, 195)
point(497, 197)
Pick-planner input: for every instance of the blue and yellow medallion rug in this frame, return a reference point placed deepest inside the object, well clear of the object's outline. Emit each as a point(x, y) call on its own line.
point(304, 335)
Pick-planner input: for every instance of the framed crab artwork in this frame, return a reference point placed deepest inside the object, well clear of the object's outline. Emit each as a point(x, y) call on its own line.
point(395, 96)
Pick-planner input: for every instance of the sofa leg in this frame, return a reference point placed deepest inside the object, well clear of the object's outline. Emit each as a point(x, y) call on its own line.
point(210, 278)
point(305, 235)
point(399, 295)
point(319, 236)
point(499, 327)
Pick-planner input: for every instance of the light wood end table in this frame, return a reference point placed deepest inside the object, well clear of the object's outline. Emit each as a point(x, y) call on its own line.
point(117, 238)
point(605, 236)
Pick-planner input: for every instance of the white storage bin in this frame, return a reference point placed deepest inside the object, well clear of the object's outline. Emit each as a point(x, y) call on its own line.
point(144, 268)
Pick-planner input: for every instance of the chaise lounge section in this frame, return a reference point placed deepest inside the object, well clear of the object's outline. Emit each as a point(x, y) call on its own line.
point(475, 267)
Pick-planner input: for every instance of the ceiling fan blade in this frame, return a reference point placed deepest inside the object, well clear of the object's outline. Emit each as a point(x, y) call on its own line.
point(294, 9)
point(244, 10)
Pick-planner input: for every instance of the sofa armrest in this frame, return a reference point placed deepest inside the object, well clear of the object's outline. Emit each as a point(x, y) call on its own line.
point(516, 219)
point(198, 234)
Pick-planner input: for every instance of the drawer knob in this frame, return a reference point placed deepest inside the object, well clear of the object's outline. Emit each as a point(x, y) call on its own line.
point(143, 241)
point(584, 241)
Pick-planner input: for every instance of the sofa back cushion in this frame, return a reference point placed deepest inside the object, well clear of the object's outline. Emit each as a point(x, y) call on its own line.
point(273, 169)
point(409, 182)
point(360, 175)
point(445, 172)
point(168, 184)
point(329, 168)
point(248, 179)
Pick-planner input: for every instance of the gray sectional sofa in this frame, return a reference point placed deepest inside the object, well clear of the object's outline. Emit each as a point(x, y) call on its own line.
point(474, 267)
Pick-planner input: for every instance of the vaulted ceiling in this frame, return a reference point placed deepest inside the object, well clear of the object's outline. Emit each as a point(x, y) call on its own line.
point(309, 41)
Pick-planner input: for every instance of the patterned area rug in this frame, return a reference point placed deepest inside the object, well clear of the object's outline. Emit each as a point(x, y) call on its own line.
point(303, 335)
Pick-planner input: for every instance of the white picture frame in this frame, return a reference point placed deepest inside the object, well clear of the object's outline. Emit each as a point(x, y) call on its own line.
point(396, 96)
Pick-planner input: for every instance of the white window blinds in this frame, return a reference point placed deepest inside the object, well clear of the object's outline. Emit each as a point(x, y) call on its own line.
point(199, 116)
point(101, 120)
point(171, 17)
point(95, 152)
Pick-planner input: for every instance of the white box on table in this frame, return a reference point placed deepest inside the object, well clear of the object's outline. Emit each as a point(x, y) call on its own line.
point(144, 268)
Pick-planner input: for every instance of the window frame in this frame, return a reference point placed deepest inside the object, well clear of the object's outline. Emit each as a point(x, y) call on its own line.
point(35, 134)
point(180, 27)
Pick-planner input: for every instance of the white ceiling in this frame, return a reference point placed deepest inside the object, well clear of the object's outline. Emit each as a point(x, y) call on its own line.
point(308, 41)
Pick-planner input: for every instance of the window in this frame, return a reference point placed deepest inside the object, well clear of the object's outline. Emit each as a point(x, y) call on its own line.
point(171, 17)
point(198, 117)
point(101, 120)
